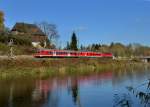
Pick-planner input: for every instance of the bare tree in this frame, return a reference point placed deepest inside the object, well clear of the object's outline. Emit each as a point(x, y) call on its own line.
point(50, 30)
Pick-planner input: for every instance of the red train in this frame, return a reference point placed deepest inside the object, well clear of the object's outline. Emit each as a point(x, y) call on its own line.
point(69, 54)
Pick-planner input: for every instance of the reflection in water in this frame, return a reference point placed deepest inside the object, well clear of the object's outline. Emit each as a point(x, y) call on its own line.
point(16, 94)
point(74, 89)
point(75, 92)
point(42, 93)
point(78, 91)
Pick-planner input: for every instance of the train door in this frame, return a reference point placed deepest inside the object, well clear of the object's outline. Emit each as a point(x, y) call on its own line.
point(68, 54)
point(54, 53)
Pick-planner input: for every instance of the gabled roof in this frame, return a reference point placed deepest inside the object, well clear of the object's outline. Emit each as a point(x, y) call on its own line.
point(28, 28)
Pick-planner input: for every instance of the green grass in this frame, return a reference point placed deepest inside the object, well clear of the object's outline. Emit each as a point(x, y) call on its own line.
point(51, 67)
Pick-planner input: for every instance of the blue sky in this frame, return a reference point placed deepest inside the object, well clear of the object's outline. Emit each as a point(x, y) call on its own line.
point(95, 21)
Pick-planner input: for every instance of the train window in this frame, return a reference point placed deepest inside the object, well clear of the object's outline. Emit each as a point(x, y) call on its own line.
point(65, 53)
point(57, 53)
point(50, 53)
point(73, 53)
point(60, 53)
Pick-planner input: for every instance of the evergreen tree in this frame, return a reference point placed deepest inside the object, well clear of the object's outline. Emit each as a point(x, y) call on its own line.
point(96, 46)
point(73, 44)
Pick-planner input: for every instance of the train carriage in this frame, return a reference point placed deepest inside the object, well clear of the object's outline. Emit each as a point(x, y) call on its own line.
point(69, 54)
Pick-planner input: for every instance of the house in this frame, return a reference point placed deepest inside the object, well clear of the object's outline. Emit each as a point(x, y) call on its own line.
point(32, 30)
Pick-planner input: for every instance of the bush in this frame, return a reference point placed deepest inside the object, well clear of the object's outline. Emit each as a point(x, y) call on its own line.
point(21, 44)
point(3, 38)
point(21, 40)
point(4, 49)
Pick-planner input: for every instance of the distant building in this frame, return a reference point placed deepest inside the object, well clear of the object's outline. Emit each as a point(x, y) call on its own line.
point(32, 30)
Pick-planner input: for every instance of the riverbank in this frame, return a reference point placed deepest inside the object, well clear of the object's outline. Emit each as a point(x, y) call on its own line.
point(42, 68)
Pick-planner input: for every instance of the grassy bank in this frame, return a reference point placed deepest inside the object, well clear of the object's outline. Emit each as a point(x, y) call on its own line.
point(43, 68)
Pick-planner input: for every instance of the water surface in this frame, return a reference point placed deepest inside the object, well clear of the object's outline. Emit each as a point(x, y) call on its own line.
point(106, 89)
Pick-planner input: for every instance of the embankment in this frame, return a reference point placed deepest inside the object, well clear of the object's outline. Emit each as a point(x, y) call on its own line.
point(35, 68)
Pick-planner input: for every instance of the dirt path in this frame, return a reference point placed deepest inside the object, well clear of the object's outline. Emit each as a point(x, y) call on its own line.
point(17, 57)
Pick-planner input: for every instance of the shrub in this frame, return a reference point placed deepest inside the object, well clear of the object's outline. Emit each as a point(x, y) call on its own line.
point(21, 40)
point(3, 38)
point(4, 49)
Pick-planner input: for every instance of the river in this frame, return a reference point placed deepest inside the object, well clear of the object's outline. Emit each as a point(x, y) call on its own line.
point(120, 88)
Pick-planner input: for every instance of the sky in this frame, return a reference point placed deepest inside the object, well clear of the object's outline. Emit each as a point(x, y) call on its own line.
point(94, 21)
